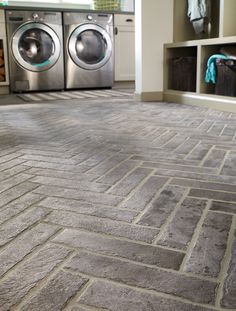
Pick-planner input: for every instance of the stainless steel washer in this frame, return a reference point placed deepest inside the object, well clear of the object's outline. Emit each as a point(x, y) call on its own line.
point(88, 42)
point(35, 50)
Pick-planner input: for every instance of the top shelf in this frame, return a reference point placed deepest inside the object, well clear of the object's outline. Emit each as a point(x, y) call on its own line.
point(223, 21)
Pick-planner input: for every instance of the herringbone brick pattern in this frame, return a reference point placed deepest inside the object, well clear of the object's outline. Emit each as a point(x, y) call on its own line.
point(116, 205)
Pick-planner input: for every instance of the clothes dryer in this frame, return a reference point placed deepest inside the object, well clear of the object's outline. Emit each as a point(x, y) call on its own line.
point(88, 42)
point(35, 41)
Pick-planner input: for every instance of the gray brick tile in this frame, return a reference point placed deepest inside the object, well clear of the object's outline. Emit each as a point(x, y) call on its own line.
point(119, 172)
point(210, 248)
point(95, 224)
point(229, 290)
point(223, 207)
point(54, 153)
point(124, 187)
point(16, 192)
point(97, 158)
point(146, 254)
point(18, 206)
point(74, 184)
point(54, 166)
point(204, 177)
point(229, 167)
point(215, 195)
point(56, 293)
point(203, 185)
point(10, 164)
point(229, 130)
point(183, 168)
point(180, 230)
point(13, 181)
point(16, 285)
point(16, 225)
point(145, 193)
point(42, 158)
point(199, 152)
point(12, 171)
point(88, 209)
point(108, 164)
point(215, 158)
point(86, 196)
point(187, 146)
point(9, 157)
point(150, 278)
point(25, 244)
point(175, 142)
point(162, 206)
point(115, 297)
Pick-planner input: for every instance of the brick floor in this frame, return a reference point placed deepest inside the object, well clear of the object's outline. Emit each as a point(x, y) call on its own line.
point(115, 205)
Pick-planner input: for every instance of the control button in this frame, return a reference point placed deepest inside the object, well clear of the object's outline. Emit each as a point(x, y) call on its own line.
point(35, 16)
point(89, 17)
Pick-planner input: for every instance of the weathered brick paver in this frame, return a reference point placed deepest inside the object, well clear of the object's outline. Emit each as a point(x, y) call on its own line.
point(109, 204)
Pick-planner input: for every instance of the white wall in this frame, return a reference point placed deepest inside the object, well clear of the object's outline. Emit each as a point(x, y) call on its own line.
point(154, 27)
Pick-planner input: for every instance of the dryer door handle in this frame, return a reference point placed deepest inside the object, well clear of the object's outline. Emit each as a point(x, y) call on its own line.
point(116, 31)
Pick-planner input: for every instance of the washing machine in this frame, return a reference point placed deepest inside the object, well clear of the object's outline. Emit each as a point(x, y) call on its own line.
point(35, 41)
point(88, 42)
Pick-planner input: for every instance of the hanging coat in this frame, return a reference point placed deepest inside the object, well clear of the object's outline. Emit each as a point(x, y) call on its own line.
point(198, 13)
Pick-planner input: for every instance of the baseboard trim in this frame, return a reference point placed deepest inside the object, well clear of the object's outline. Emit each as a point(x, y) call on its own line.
point(221, 103)
point(149, 96)
point(4, 90)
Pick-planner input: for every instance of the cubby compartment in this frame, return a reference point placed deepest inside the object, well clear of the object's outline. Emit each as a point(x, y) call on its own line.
point(2, 62)
point(181, 68)
point(183, 28)
point(206, 52)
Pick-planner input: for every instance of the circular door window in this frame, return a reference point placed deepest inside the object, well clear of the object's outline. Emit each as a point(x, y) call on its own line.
point(36, 47)
point(90, 46)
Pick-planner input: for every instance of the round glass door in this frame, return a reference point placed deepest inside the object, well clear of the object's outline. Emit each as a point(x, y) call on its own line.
point(90, 46)
point(36, 47)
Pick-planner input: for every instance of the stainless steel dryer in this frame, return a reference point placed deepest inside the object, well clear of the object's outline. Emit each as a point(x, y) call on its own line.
point(35, 42)
point(89, 61)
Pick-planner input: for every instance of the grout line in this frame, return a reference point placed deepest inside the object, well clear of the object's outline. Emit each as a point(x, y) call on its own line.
point(148, 206)
point(122, 239)
point(226, 262)
point(113, 168)
point(76, 297)
point(195, 236)
point(171, 216)
point(206, 156)
point(144, 290)
point(227, 152)
point(140, 264)
point(123, 178)
point(40, 284)
point(35, 204)
point(34, 250)
point(222, 131)
point(134, 190)
point(215, 191)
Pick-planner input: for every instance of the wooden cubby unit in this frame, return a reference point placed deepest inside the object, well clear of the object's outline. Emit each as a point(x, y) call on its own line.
point(186, 43)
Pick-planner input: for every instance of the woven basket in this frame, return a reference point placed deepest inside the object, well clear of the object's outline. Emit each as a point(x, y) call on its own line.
point(107, 4)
